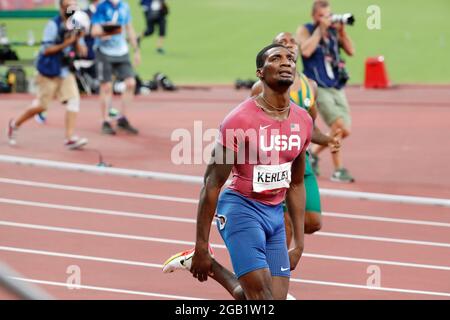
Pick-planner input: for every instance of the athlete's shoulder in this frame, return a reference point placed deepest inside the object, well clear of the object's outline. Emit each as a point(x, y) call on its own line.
point(301, 114)
point(313, 84)
point(242, 115)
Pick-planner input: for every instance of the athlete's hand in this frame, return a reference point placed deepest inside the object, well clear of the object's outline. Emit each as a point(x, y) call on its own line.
point(201, 264)
point(335, 143)
point(294, 256)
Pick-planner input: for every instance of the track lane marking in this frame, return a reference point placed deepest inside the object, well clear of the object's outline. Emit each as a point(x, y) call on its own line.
point(159, 266)
point(104, 289)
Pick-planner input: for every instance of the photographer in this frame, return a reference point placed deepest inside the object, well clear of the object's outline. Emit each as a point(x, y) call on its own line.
point(320, 44)
point(55, 78)
point(155, 12)
point(111, 23)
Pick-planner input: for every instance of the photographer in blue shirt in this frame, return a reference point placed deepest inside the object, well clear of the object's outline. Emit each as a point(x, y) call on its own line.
point(111, 23)
point(55, 78)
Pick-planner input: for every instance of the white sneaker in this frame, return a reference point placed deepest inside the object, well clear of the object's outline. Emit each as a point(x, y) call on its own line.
point(290, 297)
point(181, 260)
point(75, 143)
point(41, 117)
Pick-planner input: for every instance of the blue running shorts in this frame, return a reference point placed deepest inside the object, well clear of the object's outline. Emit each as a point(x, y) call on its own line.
point(254, 234)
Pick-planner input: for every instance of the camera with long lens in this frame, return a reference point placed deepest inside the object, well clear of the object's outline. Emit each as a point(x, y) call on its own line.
point(346, 18)
point(68, 57)
point(78, 22)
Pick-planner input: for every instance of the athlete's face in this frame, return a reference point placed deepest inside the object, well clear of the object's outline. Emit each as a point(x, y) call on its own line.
point(286, 39)
point(279, 68)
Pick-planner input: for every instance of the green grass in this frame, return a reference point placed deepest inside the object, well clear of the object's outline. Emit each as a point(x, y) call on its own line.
point(215, 41)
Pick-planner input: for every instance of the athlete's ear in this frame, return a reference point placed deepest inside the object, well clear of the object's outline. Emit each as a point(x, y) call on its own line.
point(259, 74)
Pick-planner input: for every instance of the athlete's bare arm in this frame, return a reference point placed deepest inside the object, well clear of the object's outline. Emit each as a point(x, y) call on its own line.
point(215, 177)
point(295, 201)
point(318, 137)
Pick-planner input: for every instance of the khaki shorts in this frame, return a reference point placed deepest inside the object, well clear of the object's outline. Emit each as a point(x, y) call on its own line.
point(332, 105)
point(62, 89)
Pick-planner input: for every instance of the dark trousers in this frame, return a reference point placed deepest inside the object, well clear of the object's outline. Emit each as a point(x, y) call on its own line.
point(154, 18)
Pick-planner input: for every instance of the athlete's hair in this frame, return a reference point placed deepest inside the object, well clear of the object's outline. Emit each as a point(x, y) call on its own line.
point(261, 56)
point(274, 40)
point(319, 4)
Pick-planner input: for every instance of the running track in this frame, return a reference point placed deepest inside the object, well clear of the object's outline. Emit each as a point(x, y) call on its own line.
point(119, 230)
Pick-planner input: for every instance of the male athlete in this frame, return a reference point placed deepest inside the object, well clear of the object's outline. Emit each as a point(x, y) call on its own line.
point(263, 143)
point(303, 93)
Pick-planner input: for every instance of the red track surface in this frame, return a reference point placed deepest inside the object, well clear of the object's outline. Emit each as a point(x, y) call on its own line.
point(395, 148)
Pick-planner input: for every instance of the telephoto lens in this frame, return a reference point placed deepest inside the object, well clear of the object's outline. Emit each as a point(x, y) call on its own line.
point(346, 18)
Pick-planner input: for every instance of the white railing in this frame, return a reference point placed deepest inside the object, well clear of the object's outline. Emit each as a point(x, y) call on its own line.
point(19, 289)
point(170, 177)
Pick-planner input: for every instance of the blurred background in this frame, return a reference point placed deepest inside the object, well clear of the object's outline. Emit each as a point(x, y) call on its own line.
point(214, 41)
point(117, 229)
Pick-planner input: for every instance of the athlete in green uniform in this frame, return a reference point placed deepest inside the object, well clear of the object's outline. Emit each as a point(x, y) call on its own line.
point(304, 93)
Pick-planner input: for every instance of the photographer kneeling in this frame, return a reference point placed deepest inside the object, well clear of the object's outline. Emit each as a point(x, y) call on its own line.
point(55, 79)
point(320, 43)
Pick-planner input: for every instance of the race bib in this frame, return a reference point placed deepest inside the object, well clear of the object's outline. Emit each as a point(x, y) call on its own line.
point(270, 177)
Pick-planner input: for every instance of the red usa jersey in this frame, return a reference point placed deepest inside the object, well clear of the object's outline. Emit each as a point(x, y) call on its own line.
point(265, 149)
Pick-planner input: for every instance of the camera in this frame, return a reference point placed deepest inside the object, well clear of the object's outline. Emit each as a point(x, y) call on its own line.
point(342, 73)
point(346, 18)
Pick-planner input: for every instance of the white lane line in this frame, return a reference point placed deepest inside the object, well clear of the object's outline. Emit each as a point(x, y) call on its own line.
point(94, 288)
point(186, 220)
point(192, 221)
point(195, 201)
point(81, 257)
point(385, 219)
point(153, 239)
point(152, 265)
point(97, 191)
point(177, 178)
point(94, 233)
point(375, 261)
point(382, 239)
point(95, 210)
point(356, 286)
point(158, 266)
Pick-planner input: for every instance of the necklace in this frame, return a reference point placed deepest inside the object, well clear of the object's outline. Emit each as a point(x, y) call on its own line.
point(274, 109)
